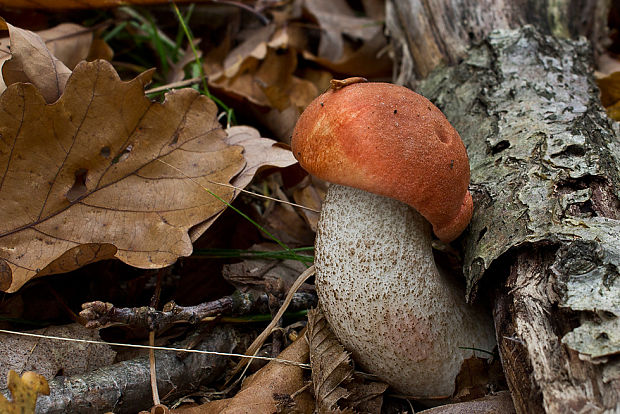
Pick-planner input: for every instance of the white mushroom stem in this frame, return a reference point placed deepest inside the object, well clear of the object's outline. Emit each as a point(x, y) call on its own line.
point(385, 299)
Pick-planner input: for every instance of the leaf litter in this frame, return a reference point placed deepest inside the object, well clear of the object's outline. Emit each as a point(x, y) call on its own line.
point(24, 390)
point(83, 171)
point(82, 176)
point(263, 77)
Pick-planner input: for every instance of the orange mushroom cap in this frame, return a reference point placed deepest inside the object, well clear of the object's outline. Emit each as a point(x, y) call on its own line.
point(388, 140)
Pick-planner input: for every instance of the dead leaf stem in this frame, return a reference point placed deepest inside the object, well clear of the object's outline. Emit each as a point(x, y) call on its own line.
point(258, 342)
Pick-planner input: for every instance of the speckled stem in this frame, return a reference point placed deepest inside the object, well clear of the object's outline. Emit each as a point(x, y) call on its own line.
point(385, 299)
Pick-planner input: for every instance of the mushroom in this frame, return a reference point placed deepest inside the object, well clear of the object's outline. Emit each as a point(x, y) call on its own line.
point(397, 167)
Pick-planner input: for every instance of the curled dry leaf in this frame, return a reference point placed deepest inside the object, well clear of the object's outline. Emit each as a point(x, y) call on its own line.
point(31, 62)
point(331, 364)
point(339, 23)
point(259, 73)
point(610, 94)
point(81, 180)
point(46, 58)
point(267, 82)
point(259, 153)
point(266, 391)
point(336, 389)
point(68, 42)
point(337, 20)
point(24, 391)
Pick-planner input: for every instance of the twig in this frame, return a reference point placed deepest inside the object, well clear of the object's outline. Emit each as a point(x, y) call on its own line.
point(258, 342)
point(153, 370)
point(125, 387)
point(173, 85)
point(102, 314)
point(157, 348)
point(277, 200)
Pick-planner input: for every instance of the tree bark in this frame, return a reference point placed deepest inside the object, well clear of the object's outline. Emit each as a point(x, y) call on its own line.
point(546, 183)
point(427, 33)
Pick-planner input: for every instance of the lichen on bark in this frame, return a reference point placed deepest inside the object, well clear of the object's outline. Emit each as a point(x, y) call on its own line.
point(545, 170)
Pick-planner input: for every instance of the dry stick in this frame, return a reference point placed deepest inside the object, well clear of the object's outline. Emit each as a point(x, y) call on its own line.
point(179, 84)
point(124, 387)
point(97, 314)
point(157, 348)
point(153, 372)
point(258, 342)
point(264, 196)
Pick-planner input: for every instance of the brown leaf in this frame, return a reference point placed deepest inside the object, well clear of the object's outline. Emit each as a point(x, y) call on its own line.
point(31, 62)
point(331, 364)
point(614, 111)
point(259, 153)
point(68, 42)
point(339, 23)
point(141, 207)
point(610, 94)
point(286, 224)
point(265, 275)
point(266, 82)
point(337, 20)
point(335, 387)
point(49, 357)
point(311, 193)
point(259, 73)
point(264, 391)
point(252, 49)
point(610, 89)
point(24, 391)
point(99, 49)
point(472, 380)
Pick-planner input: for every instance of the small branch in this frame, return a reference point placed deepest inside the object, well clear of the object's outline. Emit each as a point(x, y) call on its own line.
point(125, 387)
point(174, 85)
point(100, 314)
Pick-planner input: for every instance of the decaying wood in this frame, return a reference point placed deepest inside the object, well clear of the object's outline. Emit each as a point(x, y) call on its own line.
point(125, 387)
point(429, 33)
point(545, 163)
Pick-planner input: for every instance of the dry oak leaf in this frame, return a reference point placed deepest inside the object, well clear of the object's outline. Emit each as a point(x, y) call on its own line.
point(336, 388)
point(25, 391)
point(81, 181)
point(274, 385)
point(349, 43)
point(31, 61)
point(259, 153)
